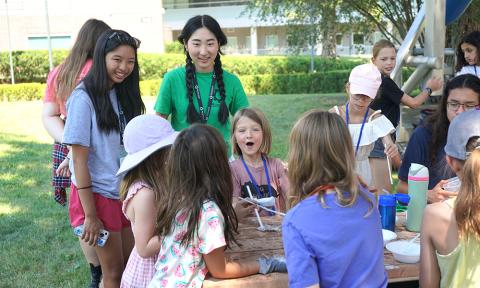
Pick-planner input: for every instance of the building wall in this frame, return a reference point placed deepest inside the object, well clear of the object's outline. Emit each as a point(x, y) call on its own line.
point(27, 18)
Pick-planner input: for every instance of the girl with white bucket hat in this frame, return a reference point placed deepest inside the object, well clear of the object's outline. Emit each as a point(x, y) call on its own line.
point(147, 141)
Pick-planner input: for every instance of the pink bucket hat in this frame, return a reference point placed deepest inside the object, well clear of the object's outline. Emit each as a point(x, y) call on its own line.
point(365, 79)
point(143, 136)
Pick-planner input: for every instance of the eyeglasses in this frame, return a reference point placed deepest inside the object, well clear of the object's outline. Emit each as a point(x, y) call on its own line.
point(454, 106)
point(125, 38)
point(360, 97)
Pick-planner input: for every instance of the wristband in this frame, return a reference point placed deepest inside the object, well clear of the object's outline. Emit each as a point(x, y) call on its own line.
point(83, 188)
point(429, 90)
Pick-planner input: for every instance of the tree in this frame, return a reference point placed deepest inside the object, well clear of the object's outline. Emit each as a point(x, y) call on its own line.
point(468, 22)
point(400, 13)
point(307, 21)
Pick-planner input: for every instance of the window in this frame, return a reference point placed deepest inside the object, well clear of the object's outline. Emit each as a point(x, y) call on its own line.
point(358, 39)
point(178, 4)
point(41, 42)
point(338, 39)
point(271, 41)
point(232, 43)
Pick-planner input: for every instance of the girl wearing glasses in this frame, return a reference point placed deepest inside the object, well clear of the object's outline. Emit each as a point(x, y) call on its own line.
point(201, 91)
point(426, 145)
point(98, 110)
point(365, 124)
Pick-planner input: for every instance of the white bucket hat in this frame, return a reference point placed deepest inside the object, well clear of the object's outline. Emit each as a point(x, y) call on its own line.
point(143, 136)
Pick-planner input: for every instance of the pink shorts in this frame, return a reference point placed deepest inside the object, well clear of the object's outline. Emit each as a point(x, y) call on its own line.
point(109, 211)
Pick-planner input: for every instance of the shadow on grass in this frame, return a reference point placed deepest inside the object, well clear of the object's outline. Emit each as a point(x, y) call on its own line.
point(36, 242)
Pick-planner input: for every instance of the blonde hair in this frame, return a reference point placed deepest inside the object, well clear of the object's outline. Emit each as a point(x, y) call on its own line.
point(379, 45)
point(467, 204)
point(257, 116)
point(321, 153)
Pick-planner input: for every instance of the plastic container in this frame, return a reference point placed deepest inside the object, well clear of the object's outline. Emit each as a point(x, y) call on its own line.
point(402, 199)
point(387, 207)
point(266, 202)
point(388, 236)
point(453, 184)
point(417, 190)
point(404, 251)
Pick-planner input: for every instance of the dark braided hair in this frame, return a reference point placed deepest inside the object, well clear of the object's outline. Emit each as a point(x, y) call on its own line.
point(223, 112)
point(192, 25)
point(192, 115)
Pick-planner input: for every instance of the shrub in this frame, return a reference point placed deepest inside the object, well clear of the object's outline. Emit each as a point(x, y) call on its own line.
point(319, 82)
point(22, 92)
point(32, 66)
point(174, 47)
point(150, 87)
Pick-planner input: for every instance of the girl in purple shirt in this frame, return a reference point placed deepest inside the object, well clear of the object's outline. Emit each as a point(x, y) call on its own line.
point(332, 234)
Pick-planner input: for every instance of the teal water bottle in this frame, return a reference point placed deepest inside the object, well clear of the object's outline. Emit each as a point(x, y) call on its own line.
point(417, 190)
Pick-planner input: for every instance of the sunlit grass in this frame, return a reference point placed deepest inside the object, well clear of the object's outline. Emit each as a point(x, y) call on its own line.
point(6, 209)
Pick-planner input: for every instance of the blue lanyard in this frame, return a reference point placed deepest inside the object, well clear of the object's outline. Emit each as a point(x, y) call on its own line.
point(361, 129)
point(475, 69)
point(255, 185)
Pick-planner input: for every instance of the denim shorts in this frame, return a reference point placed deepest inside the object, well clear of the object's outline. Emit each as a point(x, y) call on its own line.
point(378, 150)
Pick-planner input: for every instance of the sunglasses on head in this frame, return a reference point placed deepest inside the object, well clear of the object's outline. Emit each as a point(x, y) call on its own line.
point(124, 38)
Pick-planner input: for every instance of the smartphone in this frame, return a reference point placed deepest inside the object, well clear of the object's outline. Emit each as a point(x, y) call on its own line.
point(102, 237)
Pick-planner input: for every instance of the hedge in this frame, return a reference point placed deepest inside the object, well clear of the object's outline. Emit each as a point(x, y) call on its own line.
point(299, 83)
point(32, 66)
point(319, 82)
point(36, 91)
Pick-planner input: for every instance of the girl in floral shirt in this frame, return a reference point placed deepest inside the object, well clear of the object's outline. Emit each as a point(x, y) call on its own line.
point(196, 219)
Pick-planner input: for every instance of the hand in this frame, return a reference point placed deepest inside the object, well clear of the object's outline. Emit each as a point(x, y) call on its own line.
point(243, 210)
point(271, 264)
point(364, 184)
point(391, 150)
point(63, 169)
point(91, 230)
point(437, 194)
point(435, 83)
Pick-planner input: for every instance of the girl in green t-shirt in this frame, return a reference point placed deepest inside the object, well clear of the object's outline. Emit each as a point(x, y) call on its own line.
point(201, 91)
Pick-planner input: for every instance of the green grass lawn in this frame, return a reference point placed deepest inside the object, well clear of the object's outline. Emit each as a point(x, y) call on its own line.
point(37, 246)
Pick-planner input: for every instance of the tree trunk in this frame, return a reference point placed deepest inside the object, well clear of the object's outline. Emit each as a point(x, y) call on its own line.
point(329, 28)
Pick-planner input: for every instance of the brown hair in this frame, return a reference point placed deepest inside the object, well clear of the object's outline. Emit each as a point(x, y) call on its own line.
point(198, 171)
point(379, 45)
point(151, 171)
point(467, 204)
point(321, 153)
point(257, 116)
point(82, 50)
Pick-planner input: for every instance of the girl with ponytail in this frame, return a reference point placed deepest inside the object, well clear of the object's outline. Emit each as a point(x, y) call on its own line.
point(201, 91)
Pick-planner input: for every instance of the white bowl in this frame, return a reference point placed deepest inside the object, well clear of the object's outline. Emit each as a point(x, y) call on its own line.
point(266, 202)
point(453, 184)
point(405, 252)
point(388, 236)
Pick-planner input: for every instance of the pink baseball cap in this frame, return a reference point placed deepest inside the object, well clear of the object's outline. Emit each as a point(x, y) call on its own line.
point(365, 79)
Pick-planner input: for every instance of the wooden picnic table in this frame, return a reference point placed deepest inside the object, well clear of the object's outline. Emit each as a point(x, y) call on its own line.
point(256, 243)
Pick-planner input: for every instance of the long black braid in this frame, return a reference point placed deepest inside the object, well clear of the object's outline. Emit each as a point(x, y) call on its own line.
point(192, 115)
point(223, 111)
